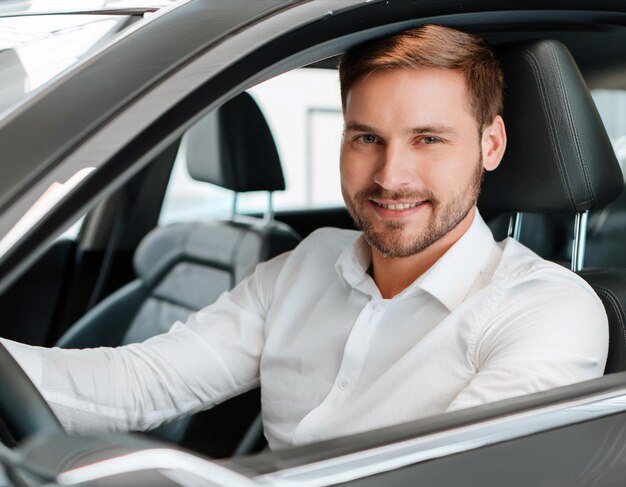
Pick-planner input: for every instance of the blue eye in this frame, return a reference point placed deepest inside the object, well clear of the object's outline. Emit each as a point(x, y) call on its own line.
point(368, 138)
point(431, 140)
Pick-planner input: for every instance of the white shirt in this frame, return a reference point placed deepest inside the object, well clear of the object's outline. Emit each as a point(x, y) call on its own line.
point(488, 321)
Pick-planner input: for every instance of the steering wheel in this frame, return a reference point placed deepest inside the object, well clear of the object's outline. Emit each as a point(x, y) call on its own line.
point(23, 410)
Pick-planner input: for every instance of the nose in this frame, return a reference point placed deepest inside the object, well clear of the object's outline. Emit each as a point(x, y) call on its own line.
point(396, 170)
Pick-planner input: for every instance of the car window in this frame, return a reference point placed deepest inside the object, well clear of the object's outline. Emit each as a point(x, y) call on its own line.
point(612, 107)
point(48, 199)
point(303, 110)
point(39, 41)
point(36, 48)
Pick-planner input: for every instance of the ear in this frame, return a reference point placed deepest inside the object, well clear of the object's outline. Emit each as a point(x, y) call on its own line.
point(493, 143)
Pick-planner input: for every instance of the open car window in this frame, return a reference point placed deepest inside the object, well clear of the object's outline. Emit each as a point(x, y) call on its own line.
point(303, 109)
point(612, 107)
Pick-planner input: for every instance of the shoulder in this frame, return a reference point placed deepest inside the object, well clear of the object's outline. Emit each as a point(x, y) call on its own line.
point(322, 244)
point(543, 303)
point(325, 243)
point(530, 293)
point(330, 236)
point(315, 255)
point(522, 272)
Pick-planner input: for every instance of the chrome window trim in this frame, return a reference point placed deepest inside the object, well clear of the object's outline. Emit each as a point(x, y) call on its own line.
point(390, 457)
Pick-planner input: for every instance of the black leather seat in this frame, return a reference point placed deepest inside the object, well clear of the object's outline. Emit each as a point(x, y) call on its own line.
point(610, 285)
point(183, 267)
point(559, 160)
point(607, 234)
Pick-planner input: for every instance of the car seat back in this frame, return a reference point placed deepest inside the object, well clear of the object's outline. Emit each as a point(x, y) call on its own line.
point(559, 160)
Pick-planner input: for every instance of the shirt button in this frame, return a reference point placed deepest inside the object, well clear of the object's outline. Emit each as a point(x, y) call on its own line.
point(375, 306)
point(343, 383)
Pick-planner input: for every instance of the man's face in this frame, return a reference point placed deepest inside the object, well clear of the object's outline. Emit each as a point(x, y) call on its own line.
point(411, 158)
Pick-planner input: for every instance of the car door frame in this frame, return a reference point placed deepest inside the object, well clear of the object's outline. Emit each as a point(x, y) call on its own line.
point(264, 40)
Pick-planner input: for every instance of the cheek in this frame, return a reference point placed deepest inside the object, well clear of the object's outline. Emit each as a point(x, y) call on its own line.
point(452, 170)
point(350, 178)
point(353, 170)
point(344, 167)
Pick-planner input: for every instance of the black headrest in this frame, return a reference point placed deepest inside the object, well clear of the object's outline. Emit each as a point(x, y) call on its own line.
point(233, 147)
point(559, 156)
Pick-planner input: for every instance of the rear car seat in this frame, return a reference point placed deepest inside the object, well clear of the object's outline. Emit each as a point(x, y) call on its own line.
point(183, 267)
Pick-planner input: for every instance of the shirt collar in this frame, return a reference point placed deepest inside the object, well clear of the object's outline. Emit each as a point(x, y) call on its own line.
point(354, 262)
point(449, 280)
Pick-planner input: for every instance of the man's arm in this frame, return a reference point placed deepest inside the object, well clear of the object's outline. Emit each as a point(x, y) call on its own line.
point(212, 357)
point(543, 336)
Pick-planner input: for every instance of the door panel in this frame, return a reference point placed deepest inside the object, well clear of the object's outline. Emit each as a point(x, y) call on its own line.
point(590, 453)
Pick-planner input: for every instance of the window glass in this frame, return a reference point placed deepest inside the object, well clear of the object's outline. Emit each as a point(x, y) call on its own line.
point(72, 232)
point(612, 107)
point(40, 39)
point(34, 49)
point(303, 110)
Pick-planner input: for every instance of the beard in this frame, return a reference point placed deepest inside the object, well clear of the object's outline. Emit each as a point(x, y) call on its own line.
point(390, 239)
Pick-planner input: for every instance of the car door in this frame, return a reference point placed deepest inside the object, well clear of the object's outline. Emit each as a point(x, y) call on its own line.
point(216, 66)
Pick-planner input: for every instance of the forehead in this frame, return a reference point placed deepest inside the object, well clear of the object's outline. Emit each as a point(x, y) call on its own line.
point(409, 94)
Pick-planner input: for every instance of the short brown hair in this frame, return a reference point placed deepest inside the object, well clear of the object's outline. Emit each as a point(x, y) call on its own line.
point(431, 46)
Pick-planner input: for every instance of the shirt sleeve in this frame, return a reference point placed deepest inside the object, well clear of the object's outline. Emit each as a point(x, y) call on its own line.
point(544, 335)
point(210, 358)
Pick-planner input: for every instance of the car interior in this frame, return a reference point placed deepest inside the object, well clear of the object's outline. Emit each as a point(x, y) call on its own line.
point(125, 278)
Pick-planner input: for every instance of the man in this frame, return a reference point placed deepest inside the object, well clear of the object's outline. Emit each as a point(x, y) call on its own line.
point(420, 314)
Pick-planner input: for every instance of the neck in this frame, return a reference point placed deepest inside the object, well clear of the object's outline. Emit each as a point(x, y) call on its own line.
point(394, 274)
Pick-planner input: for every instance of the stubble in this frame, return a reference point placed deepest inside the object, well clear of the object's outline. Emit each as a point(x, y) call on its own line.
point(390, 240)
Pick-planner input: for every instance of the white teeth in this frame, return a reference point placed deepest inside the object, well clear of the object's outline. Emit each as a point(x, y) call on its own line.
point(400, 206)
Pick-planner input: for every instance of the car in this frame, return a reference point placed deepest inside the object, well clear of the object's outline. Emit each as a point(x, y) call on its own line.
point(96, 142)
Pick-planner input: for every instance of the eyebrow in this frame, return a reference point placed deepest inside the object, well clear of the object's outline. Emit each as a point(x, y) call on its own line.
point(358, 127)
point(430, 129)
point(434, 129)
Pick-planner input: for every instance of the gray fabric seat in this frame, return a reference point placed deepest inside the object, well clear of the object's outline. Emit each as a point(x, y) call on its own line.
point(183, 267)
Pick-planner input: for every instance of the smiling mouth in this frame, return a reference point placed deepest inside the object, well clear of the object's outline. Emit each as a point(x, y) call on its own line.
point(397, 206)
